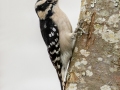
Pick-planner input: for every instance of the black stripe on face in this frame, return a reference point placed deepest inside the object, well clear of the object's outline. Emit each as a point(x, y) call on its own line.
point(42, 7)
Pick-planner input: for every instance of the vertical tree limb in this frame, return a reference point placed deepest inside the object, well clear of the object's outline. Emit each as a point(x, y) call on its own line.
point(95, 63)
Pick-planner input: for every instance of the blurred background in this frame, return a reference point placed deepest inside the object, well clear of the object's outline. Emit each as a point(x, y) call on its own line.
point(24, 62)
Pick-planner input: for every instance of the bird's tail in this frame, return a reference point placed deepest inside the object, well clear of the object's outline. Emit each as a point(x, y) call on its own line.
point(62, 75)
point(62, 83)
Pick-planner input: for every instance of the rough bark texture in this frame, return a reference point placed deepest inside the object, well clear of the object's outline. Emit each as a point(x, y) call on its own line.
point(95, 63)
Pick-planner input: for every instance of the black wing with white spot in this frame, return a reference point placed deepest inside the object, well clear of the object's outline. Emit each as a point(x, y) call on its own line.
point(50, 35)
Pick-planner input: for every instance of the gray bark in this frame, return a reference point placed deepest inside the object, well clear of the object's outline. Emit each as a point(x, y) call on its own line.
point(95, 64)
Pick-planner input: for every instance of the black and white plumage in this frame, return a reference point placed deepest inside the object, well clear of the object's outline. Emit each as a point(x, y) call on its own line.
point(57, 33)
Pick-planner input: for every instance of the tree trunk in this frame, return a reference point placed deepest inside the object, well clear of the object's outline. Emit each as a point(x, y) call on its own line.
point(95, 64)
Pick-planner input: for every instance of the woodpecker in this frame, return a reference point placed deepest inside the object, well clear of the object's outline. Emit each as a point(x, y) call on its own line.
point(57, 34)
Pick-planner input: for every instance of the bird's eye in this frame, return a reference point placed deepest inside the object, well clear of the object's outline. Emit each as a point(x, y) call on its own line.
point(49, 1)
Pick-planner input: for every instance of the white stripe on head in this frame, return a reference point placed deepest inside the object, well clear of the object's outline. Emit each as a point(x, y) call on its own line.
point(40, 2)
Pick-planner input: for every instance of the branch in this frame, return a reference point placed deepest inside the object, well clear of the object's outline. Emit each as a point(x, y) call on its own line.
point(95, 63)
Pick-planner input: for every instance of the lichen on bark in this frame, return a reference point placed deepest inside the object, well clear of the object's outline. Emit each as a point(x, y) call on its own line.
point(95, 64)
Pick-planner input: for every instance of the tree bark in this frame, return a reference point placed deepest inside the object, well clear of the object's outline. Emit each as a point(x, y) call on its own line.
point(95, 64)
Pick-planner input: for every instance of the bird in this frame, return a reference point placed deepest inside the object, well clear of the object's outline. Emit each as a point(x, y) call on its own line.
point(58, 36)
